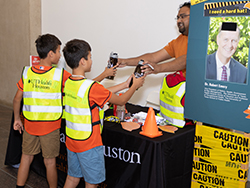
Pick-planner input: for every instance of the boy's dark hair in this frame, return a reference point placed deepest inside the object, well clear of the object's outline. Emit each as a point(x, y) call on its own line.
point(186, 4)
point(74, 51)
point(46, 43)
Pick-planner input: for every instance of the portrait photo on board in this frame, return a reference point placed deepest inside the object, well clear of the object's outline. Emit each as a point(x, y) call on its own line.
point(228, 49)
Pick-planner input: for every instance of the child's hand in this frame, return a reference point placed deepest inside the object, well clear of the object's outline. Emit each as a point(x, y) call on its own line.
point(138, 82)
point(110, 71)
point(18, 126)
point(128, 81)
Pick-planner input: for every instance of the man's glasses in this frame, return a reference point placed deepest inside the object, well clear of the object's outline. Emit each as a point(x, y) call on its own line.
point(182, 16)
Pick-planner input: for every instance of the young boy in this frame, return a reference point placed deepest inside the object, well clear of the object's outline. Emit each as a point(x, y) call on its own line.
point(41, 90)
point(83, 100)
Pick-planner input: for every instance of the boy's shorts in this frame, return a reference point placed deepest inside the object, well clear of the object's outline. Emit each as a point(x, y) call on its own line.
point(88, 164)
point(49, 144)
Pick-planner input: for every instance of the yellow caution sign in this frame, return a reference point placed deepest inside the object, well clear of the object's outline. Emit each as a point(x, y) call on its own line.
point(205, 152)
point(221, 139)
point(203, 180)
point(224, 169)
point(221, 158)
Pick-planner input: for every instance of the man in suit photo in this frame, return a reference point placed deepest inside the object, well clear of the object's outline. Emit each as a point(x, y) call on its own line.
point(220, 64)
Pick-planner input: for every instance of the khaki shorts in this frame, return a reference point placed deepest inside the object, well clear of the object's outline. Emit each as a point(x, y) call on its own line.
point(49, 144)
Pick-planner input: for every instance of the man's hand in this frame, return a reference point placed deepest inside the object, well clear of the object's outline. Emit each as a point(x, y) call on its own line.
point(149, 68)
point(121, 63)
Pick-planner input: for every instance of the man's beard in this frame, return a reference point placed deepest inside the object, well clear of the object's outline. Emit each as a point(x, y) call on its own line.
point(182, 30)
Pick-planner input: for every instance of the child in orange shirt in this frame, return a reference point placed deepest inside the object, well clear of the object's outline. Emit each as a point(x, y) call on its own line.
point(84, 99)
point(41, 90)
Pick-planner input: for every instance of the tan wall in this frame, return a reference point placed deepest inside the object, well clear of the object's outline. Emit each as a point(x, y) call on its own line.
point(20, 24)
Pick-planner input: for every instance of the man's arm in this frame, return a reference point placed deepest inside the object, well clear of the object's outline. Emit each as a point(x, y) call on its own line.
point(154, 58)
point(171, 66)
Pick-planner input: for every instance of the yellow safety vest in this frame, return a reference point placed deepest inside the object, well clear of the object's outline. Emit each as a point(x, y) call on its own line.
point(42, 94)
point(79, 125)
point(170, 103)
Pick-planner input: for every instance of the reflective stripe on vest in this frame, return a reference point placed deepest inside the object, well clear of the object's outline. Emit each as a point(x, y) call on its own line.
point(77, 109)
point(42, 96)
point(170, 103)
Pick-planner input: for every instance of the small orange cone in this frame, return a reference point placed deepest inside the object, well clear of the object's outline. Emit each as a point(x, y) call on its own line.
point(150, 128)
point(247, 111)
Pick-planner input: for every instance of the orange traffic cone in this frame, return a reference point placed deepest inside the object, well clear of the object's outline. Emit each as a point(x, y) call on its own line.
point(247, 111)
point(150, 128)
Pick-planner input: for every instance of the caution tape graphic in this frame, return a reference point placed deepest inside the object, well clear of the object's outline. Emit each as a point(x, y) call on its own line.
point(232, 8)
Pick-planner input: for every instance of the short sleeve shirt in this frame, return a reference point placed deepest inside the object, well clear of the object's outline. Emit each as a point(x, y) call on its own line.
point(177, 47)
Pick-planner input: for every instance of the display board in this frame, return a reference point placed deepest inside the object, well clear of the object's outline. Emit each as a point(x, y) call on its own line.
point(221, 158)
point(219, 35)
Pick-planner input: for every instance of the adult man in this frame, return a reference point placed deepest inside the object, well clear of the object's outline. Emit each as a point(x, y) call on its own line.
point(171, 108)
point(177, 49)
point(221, 65)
